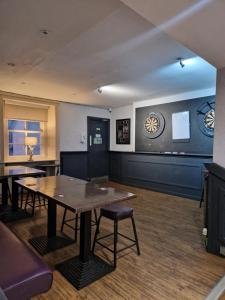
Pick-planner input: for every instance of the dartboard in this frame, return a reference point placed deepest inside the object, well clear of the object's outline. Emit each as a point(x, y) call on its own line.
point(209, 119)
point(206, 117)
point(154, 125)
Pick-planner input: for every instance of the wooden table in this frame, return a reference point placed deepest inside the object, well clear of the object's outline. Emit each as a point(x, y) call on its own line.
point(80, 197)
point(50, 169)
point(14, 172)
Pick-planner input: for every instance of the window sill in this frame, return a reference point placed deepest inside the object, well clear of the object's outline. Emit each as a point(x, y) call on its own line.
point(18, 161)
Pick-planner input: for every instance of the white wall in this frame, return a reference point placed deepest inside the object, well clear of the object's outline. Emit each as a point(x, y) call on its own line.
point(125, 112)
point(72, 122)
point(219, 137)
point(129, 112)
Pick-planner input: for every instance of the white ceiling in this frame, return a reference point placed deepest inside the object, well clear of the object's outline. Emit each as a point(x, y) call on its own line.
point(197, 24)
point(92, 43)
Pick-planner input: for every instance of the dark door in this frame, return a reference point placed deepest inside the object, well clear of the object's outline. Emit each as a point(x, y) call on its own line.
point(98, 146)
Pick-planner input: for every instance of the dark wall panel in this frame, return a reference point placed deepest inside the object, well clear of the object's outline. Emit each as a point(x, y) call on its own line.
point(199, 143)
point(172, 174)
point(74, 164)
point(216, 210)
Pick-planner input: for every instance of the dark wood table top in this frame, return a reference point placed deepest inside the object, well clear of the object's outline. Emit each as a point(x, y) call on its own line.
point(15, 171)
point(75, 194)
point(49, 165)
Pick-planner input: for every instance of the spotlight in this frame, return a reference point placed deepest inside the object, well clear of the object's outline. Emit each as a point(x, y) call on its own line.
point(11, 64)
point(181, 62)
point(99, 89)
point(44, 31)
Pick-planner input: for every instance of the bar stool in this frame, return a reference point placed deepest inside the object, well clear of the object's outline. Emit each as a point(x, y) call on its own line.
point(116, 213)
point(32, 202)
point(66, 222)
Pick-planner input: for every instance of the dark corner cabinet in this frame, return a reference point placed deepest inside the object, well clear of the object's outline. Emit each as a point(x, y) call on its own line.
point(175, 174)
point(216, 209)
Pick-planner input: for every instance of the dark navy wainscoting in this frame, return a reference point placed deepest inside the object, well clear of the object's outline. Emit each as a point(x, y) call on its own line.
point(180, 175)
point(74, 164)
point(216, 209)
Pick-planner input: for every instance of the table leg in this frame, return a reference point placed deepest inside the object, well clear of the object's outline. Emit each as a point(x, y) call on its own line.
point(86, 268)
point(52, 212)
point(4, 191)
point(14, 213)
point(85, 236)
point(15, 194)
point(50, 242)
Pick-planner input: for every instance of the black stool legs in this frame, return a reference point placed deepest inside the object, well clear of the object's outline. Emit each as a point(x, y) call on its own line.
point(32, 201)
point(66, 221)
point(115, 235)
point(135, 235)
point(75, 228)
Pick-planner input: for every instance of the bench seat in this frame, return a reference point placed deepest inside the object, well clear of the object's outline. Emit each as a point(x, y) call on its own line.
point(22, 273)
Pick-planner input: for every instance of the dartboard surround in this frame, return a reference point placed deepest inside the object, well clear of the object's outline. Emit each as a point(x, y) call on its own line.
point(154, 125)
point(206, 118)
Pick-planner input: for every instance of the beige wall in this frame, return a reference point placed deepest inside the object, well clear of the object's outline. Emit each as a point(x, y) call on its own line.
point(72, 123)
point(219, 138)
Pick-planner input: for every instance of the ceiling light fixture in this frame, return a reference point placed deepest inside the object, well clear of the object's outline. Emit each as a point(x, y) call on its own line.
point(181, 62)
point(44, 31)
point(99, 89)
point(10, 64)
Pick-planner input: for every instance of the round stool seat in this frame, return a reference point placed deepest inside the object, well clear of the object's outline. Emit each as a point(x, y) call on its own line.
point(116, 212)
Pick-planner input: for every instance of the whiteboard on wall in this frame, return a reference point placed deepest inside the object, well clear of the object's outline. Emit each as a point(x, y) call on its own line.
point(181, 126)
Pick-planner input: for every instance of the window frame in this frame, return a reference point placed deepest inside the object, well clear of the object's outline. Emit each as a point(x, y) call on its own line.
point(42, 132)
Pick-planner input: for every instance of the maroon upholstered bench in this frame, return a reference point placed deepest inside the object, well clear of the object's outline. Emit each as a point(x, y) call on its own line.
point(22, 273)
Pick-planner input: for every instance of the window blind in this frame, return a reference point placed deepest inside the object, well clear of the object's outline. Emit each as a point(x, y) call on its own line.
point(22, 112)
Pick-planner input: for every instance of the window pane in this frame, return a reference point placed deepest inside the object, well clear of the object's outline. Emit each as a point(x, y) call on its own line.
point(33, 126)
point(37, 150)
point(37, 135)
point(17, 137)
point(16, 125)
point(16, 150)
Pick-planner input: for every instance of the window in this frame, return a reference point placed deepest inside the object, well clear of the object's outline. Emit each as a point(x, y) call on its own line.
point(22, 119)
point(18, 130)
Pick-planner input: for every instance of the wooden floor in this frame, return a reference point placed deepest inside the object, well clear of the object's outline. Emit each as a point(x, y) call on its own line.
point(173, 262)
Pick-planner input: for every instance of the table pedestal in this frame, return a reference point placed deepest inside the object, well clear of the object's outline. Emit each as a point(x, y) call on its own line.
point(44, 245)
point(86, 268)
point(7, 214)
point(11, 213)
point(81, 274)
point(51, 242)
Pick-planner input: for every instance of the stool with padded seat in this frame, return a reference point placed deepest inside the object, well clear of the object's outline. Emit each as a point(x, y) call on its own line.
point(116, 213)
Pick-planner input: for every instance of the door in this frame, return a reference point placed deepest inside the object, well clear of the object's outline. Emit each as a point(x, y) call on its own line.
point(98, 147)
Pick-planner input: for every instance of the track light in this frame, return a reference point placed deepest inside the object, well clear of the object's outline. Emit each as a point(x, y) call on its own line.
point(99, 89)
point(181, 62)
